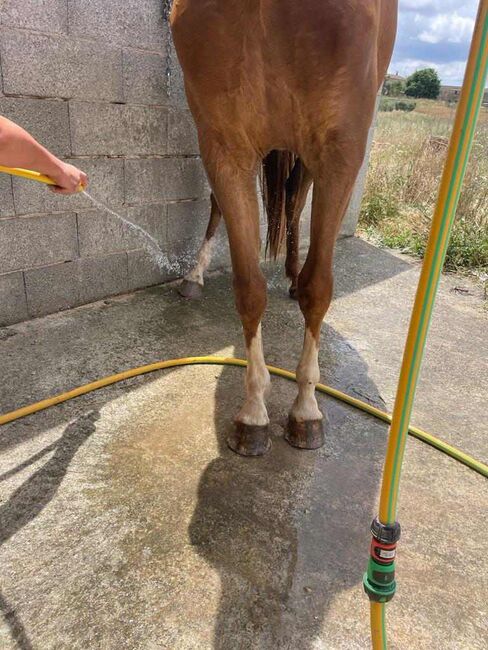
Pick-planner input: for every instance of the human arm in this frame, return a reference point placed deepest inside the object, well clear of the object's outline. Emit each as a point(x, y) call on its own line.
point(19, 149)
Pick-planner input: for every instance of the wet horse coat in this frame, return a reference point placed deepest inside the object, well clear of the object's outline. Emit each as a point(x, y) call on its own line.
point(270, 76)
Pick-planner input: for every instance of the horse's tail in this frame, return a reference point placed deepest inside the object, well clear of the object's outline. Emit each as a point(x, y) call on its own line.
point(277, 168)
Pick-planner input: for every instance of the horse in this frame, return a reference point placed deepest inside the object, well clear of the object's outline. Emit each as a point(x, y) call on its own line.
point(289, 87)
point(285, 188)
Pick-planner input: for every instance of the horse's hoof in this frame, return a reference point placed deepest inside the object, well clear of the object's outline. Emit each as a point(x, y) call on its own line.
point(190, 290)
point(249, 439)
point(293, 292)
point(308, 434)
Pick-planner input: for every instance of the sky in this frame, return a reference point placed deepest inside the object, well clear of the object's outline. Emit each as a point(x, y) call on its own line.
point(434, 34)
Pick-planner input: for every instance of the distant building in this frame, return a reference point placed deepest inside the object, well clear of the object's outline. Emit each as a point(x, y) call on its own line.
point(394, 77)
point(452, 93)
point(394, 85)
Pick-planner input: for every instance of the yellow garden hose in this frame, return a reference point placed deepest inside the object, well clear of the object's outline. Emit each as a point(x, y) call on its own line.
point(378, 631)
point(428, 438)
point(27, 173)
point(32, 176)
point(379, 581)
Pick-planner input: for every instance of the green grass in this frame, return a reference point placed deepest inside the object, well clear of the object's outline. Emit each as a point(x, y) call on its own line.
point(403, 182)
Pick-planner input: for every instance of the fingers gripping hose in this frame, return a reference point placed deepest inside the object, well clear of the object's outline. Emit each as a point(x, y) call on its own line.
point(32, 176)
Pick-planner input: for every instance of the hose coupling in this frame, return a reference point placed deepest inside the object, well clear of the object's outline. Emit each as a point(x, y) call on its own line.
point(379, 580)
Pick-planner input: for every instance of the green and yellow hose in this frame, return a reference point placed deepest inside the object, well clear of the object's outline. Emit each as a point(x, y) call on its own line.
point(450, 188)
point(428, 438)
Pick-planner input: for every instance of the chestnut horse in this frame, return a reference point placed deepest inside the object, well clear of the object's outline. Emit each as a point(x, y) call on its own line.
point(292, 83)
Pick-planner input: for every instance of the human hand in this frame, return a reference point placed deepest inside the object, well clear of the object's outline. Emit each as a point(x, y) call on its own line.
point(68, 179)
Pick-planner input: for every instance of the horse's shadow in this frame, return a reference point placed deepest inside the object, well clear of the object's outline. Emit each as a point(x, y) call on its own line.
point(289, 532)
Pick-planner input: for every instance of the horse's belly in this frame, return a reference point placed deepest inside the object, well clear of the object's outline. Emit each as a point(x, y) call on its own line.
point(278, 71)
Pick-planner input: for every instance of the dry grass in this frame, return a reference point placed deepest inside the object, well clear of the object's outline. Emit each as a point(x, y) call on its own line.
point(403, 181)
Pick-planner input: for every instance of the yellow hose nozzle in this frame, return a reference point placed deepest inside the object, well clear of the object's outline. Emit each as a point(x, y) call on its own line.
point(33, 176)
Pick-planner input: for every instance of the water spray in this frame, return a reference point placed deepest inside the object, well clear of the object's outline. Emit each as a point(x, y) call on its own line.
point(149, 243)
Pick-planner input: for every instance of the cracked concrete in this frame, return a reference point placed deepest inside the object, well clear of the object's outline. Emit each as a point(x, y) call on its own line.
point(125, 522)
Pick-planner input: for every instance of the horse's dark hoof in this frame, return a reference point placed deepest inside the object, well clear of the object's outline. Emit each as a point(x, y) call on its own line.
point(249, 439)
point(293, 292)
point(190, 290)
point(305, 435)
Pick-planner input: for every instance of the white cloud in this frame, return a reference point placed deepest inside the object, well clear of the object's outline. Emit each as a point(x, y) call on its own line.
point(437, 6)
point(450, 28)
point(417, 4)
point(435, 33)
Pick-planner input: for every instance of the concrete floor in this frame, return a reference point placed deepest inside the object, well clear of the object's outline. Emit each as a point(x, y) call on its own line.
point(125, 522)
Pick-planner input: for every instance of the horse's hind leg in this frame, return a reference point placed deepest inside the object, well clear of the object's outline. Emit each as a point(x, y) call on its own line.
point(335, 170)
point(297, 188)
point(192, 285)
point(234, 186)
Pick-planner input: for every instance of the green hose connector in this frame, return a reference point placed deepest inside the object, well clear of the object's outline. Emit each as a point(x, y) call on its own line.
point(381, 574)
point(379, 581)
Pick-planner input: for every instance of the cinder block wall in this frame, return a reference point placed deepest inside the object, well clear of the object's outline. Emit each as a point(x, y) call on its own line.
point(87, 78)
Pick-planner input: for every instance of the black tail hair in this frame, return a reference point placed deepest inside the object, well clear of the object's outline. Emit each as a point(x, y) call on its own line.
point(277, 169)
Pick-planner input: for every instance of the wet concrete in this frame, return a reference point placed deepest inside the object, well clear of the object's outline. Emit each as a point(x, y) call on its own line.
point(125, 522)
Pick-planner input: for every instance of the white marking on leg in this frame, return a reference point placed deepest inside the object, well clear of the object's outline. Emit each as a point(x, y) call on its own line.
point(257, 385)
point(204, 258)
point(305, 406)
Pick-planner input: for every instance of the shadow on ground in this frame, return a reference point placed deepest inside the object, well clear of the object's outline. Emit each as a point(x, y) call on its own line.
point(289, 532)
point(286, 533)
point(34, 494)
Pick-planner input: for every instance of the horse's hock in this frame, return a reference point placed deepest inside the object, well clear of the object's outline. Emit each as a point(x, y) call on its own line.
point(91, 84)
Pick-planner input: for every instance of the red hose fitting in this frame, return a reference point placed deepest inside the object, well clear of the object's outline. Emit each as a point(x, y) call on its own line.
point(379, 580)
point(383, 553)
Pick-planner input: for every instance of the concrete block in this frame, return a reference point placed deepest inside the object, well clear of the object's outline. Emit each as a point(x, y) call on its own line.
point(176, 88)
point(62, 286)
point(120, 23)
point(53, 288)
point(182, 255)
point(13, 304)
point(103, 276)
point(117, 130)
point(153, 219)
point(144, 77)
point(182, 133)
point(28, 242)
point(6, 196)
point(60, 66)
point(106, 177)
point(188, 220)
point(49, 16)
point(101, 233)
point(144, 271)
point(47, 120)
point(164, 179)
